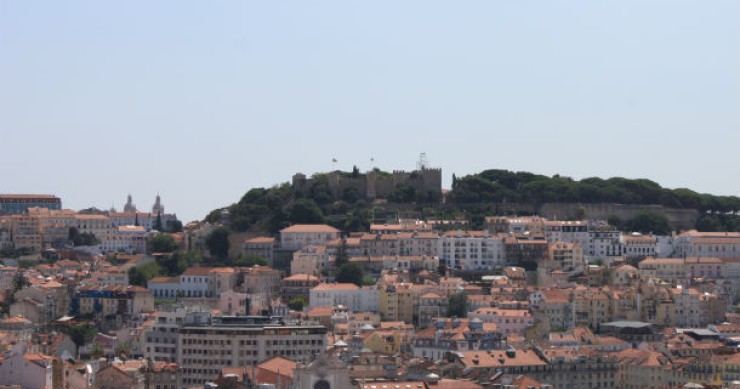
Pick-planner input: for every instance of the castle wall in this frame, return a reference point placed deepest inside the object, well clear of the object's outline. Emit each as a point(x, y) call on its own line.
point(373, 185)
point(681, 219)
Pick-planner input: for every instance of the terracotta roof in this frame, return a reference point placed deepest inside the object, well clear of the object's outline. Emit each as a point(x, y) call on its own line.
point(345, 286)
point(310, 228)
point(320, 311)
point(301, 277)
point(708, 234)
point(197, 271)
point(15, 320)
point(260, 239)
point(499, 358)
point(222, 270)
point(164, 280)
point(502, 312)
point(278, 365)
point(453, 384)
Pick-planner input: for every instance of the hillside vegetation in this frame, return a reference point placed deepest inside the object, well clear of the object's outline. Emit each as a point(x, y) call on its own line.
point(267, 210)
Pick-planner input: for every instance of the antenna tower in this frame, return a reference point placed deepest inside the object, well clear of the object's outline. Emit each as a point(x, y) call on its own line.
point(422, 163)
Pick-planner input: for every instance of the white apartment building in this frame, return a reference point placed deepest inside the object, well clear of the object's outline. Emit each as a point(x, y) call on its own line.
point(508, 321)
point(471, 250)
point(575, 231)
point(160, 340)
point(7, 275)
point(98, 225)
point(194, 282)
point(365, 299)
point(639, 245)
point(708, 244)
point(128, 239)
point(301, 235)
point(418, 243)
point(222, 342)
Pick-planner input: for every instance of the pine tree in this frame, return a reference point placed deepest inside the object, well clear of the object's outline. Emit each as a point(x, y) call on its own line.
point(342, 256)
point(158, 222)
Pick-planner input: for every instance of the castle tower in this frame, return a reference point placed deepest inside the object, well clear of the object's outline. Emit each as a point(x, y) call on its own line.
point(129, 207)
point(158, 208)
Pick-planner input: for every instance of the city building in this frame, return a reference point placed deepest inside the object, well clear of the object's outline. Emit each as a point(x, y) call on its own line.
point(350, 295)
point(298, 236)
point(206, 347)
point(18, 204)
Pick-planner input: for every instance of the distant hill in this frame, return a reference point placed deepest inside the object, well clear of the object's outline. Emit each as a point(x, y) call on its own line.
point(321, 200)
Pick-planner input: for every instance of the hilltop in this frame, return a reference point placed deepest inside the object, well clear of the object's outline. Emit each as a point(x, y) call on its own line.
point(351, 201)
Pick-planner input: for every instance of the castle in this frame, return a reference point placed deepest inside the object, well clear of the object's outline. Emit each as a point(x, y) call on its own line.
point(375, 183)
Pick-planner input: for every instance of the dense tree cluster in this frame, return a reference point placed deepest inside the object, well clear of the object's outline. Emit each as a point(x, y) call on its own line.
point(82, 239)
point(503, 186)
point(272, 209)
point(268, 210)
point(169, 265)
point(161, 243)
point(458, 305)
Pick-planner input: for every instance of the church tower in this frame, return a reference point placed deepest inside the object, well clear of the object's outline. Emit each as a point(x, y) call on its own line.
point(158, 208)
point(129, 207)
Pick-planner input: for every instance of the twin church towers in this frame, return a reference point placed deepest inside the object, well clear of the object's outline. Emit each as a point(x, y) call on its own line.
point(157, 208)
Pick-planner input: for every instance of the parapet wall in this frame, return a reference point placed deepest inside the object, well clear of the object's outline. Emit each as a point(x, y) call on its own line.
point(681, 219)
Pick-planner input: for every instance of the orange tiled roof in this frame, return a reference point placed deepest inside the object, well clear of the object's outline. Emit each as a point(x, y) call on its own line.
point(310, 228)
point(345, 286)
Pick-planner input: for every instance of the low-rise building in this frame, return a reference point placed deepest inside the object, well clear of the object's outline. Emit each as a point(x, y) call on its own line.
point(456, 335)
point(350, 295)
point(259, 247)
point(298, 236)
point(508, 321)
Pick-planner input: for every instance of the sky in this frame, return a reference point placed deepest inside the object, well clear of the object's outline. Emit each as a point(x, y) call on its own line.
point(201, 101)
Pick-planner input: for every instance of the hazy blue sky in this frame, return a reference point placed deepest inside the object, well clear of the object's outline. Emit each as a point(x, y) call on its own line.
point(202, 100)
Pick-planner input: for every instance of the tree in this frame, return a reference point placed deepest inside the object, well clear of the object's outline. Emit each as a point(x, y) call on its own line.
point(297, 303)
point(19, 281)
point(80, 334)
point(404, 193)
point(350, 195)
point(342, 256)
point(320, 193)
point(123, 349)
point(250, 261)
point(305, 211)
point(158, 222)
point(82, 239)
point(355, 171)
point(650, 222)
point(458, 305)
point(139, 275)
point(97, 351)
point(218, 242)
point(173, 226)
point(161, 243)
point(614, 221)
point(350, 273)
